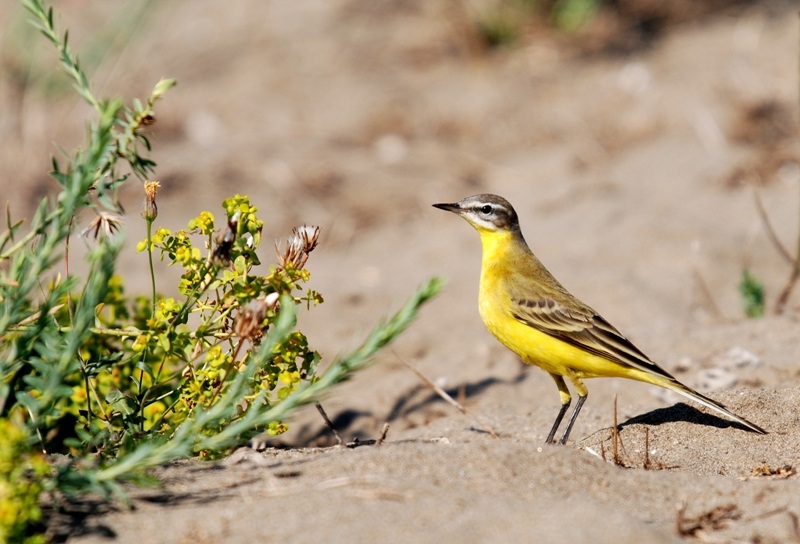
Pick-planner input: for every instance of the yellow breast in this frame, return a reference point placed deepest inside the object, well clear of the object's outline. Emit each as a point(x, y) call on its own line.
point(495, 304)
point(533, 346)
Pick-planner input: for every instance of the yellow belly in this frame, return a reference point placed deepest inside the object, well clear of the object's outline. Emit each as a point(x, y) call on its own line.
point(533, 346)
point(540, 349)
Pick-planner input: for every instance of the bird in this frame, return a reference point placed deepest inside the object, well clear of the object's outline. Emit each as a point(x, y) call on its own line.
point(531, 313)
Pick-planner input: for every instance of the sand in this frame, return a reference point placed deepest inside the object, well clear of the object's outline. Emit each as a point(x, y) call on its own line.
point(632, 178)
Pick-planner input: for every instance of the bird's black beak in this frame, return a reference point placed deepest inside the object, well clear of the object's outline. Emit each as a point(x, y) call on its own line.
point(455, 208)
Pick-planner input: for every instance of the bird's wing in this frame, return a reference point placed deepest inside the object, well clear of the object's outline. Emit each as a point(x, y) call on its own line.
point(583, 328)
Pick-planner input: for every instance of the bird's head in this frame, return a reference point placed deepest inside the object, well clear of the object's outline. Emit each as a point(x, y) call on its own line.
point(487, 213)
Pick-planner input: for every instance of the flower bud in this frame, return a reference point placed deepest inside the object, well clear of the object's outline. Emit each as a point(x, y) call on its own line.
point(150, 210)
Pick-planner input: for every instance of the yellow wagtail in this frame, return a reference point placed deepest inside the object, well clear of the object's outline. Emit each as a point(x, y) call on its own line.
point(533, 315)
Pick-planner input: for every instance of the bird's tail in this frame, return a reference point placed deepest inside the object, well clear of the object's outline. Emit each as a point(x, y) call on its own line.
point(711, 403)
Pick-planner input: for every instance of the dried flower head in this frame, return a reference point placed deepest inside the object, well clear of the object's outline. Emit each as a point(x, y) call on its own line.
point(293, 256)
point(222, 252)
point(309, 235)
point(249, 319)
point(300, 244)
point(106, 223)
point(150, 210)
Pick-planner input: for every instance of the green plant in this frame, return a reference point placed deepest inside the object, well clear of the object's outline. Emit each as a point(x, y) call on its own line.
point(571, 15)
point(121, 383)
point(504, 22)
point(753, 298)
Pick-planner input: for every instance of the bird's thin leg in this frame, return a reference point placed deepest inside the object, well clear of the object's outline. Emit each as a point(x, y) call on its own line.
point(583, 392)
point(557, 422)
point(572, 418)
point(566, 399)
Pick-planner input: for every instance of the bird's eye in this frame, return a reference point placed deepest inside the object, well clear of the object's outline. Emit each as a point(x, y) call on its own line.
point(486, 209)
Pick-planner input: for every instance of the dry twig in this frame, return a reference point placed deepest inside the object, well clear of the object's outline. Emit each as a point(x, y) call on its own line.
point(773, 236)
point(713, 520)
point(382, 437)
point(707, 299)
point(356, 442)
point(616, 440)
point(450, 400)
point(780, 473)
point(329, 424)
point(793, 261)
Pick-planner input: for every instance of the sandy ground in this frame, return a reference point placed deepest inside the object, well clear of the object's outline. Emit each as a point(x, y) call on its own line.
point(632, 176)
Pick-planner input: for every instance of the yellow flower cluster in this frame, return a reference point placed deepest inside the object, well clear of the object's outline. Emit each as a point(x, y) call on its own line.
point(21, 473)
point(203, 223)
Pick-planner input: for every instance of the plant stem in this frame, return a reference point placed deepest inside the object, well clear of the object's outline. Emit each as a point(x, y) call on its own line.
point(154, 301)
point(150, 261)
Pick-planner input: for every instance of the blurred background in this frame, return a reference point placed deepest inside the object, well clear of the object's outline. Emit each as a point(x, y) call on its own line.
point(630, 135)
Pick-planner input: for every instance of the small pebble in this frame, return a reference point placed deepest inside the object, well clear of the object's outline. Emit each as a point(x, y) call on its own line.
point(737, 357)
point(714, 379)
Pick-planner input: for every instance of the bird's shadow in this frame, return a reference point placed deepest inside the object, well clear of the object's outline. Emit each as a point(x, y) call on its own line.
point(682, 412)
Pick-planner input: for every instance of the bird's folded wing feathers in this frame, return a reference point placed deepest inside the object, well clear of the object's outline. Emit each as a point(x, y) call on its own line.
point(584, 329)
